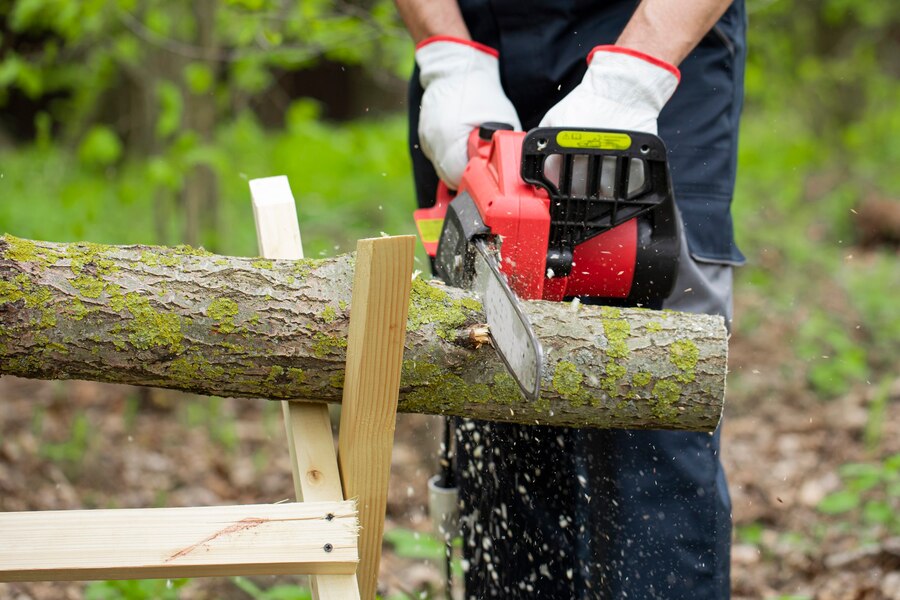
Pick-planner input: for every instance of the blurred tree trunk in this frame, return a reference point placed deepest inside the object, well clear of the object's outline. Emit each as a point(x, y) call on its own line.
point(201, 190)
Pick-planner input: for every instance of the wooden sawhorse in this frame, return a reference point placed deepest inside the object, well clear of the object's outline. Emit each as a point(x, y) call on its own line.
point(336, 541)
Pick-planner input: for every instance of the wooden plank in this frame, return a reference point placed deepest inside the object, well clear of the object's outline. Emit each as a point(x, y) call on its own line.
point(308, 425)
point(378, 311)
point(256, 539)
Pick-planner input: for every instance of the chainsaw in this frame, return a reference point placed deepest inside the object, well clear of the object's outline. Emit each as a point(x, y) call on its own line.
point(553, 214)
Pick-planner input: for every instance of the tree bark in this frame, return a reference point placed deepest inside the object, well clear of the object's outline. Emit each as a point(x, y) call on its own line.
point(186, 319)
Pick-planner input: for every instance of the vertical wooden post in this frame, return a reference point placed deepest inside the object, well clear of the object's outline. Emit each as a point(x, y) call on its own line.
point(381, 289)
point(308, 425)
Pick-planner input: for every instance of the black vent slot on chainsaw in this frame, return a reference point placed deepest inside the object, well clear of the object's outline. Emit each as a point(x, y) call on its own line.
point(596, 181)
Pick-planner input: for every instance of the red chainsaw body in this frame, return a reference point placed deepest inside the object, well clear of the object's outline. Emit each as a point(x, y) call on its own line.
point(519, 213)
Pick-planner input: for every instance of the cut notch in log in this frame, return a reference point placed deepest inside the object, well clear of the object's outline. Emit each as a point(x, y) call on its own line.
point(186, 319)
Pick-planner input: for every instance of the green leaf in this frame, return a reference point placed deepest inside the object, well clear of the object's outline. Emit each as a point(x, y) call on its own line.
point(159, 22)
point(839, 502)
point(879, 512)
point(247, 4)
point(171, 105)
point(750, 534)
point(101, 147)
point(42, 129)
point(27, 14)
point(861, 476)
point(278, 592)
point(199, 78)
point(9, 70)
point(288, 592)
point(250, 74)
point(127, 49)
point(893, 490)
point(413, 544)
point(302, 112)
point(892, 464)
point(275, 38)
point(31, 80)
point(161, 172)
point(138, 589)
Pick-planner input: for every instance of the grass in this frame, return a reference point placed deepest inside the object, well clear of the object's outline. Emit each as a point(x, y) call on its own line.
point(350, 181)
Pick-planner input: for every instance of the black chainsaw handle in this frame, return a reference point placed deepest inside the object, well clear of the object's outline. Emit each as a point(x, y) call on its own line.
point(594, 144)
point(586, 140)
point(580, 210)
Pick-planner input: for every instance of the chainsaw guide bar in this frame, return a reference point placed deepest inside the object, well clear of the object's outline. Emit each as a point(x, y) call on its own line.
point(510, 330)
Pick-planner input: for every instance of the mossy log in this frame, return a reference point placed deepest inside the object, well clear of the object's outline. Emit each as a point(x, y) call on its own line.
point(186, 319)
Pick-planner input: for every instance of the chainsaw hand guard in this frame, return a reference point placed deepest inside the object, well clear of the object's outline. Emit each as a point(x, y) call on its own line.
point(596, 180)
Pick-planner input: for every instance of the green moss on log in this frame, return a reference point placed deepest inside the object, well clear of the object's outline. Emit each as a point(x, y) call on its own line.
point(304, 266)
point(448, 393)
point(437, 390)
point(653, 327)
point(326, 344)
point(27, 251)
point(684, 354)
point(641, 378)
point(274, 373)
point(329, 315)
point(85, 256)
point(505, 390)
point(430, 304)
point(567, 381)
point(617, 331)
point(664, 399)
point(77, 310)
point(151, 328)
point(186, 250)
point(88, 287)
point(223, 311)
point(14, 291)
point(297, 375)
point(187, 369)
point(33, 297)
point(415, 373)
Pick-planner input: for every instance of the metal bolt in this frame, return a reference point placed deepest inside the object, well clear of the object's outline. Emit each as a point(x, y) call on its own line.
point(328, 548)
point(329, 516)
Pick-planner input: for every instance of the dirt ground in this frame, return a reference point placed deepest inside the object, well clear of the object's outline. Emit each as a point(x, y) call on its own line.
point(85, 445)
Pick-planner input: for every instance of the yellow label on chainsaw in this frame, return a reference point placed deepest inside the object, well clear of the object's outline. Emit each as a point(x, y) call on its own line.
point(597, 140)
point(430, 229)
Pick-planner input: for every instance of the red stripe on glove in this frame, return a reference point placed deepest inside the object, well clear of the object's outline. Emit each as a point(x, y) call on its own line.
point(637, 54)
point(470, 43)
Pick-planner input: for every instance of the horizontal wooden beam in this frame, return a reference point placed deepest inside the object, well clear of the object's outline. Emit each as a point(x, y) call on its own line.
point(256, 539)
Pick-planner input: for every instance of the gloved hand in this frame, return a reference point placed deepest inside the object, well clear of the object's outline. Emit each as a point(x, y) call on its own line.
point(622, 89)
point(462, 87)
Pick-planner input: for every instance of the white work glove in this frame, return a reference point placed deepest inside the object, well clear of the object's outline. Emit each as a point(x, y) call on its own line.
point(622, 89)
point(462, 87)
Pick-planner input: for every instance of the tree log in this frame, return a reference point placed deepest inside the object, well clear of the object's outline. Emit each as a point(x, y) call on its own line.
point(186, 319)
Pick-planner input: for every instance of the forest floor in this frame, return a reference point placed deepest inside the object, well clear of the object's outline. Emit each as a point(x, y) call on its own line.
point(78, 444)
